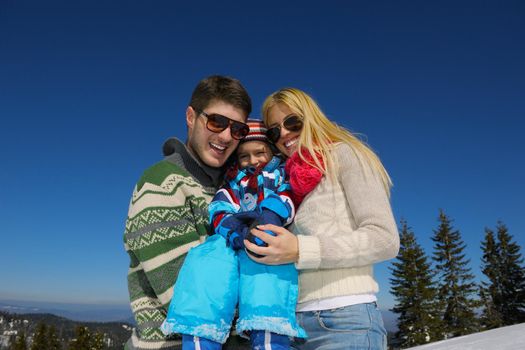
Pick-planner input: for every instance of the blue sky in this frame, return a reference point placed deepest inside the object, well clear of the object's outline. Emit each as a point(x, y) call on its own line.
point(89, 90)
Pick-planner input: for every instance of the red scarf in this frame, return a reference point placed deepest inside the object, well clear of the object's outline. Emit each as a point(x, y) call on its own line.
point(303, 176)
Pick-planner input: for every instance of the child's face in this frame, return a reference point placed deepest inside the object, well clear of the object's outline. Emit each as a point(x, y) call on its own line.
point(253, 153)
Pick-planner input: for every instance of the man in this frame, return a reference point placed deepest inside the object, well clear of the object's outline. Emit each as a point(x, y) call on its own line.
point(168, 209)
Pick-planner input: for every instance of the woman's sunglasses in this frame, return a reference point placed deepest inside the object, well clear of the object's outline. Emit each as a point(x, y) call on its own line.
point(290, 123)
point(218, 123)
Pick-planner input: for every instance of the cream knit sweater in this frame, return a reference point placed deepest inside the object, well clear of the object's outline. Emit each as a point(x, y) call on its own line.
point(343, 228)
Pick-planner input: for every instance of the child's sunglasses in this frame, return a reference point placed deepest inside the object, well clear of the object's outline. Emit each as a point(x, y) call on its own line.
point(218, 123)
point(291, 123)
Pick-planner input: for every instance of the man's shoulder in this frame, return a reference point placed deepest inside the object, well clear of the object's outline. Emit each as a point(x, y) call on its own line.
point(158, 172)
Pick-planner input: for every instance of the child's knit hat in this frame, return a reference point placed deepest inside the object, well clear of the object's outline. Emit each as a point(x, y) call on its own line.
point(257, 131)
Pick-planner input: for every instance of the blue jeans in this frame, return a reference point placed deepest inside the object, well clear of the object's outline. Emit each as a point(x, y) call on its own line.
point(354, 327)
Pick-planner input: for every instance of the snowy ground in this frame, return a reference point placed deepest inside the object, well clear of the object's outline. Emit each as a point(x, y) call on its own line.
point(505, 338)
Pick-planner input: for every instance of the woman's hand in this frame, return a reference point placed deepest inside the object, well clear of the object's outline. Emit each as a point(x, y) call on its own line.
point(283, 248)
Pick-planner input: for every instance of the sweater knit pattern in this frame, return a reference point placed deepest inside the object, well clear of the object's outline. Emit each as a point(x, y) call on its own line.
point(167, 216)
point(344, 226)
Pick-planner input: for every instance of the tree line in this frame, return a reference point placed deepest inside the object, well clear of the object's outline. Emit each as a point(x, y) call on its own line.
point(436, 297)
point(46, 338)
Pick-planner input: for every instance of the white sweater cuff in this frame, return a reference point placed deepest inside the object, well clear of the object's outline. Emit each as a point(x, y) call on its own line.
point(309, 253)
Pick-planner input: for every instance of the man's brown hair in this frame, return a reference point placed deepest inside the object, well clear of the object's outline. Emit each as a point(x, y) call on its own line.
point(220, 88)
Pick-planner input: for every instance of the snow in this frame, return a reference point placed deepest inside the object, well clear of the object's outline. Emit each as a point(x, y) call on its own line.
point(505, 338)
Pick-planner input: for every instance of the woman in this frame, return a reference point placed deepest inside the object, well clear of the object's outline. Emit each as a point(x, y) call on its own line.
point(341, 228)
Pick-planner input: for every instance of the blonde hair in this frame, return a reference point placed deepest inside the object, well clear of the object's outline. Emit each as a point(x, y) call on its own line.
point(319, 134)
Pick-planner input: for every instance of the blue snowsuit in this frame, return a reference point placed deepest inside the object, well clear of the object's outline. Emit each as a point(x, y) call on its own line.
point(215, 277)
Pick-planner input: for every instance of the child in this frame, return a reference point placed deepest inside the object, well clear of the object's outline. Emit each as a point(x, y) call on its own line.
point(218, 274)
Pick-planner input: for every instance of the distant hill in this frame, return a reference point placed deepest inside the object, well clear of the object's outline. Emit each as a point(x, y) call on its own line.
point(390, 319)
point(12, 325)
point(76, 312)
point(108, 313)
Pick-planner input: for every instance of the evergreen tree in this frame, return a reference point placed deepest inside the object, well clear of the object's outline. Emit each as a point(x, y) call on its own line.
point(415, 294)
point(98, 341)
point(53, 343)
point(40, 338)
point(512, 278)
point(81, 340)
point(490, 292)
point(20, 343)
point(85, 340)
point(456, 286)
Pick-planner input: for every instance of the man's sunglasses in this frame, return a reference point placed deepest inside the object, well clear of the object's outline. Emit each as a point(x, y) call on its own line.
point(291, 123)
point(218, 123)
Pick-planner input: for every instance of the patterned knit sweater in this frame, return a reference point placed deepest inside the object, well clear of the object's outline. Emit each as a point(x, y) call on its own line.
point(344, 227)
point(167, 216)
